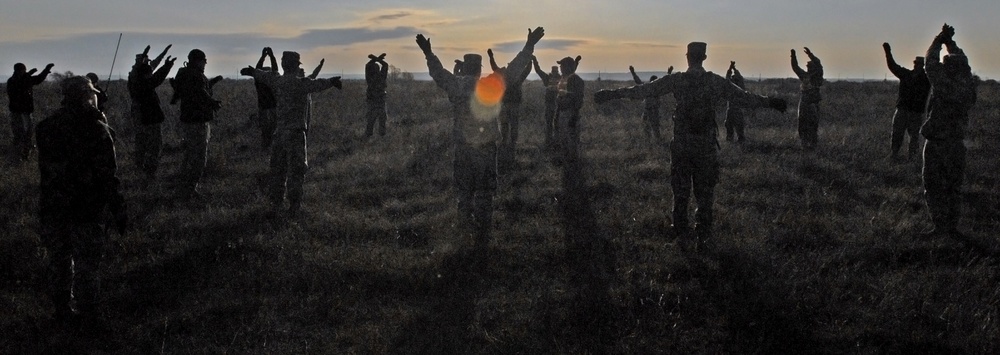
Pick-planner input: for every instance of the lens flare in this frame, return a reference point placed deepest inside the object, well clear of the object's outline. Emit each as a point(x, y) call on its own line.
point(489, 90)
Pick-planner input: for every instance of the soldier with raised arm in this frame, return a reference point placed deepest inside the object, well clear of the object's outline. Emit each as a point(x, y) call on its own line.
point(651, 112)
point(551, 82)
point(148, 116)
point(21, 96)
point(289, 157)
point(911, 104)
point(811, 79)
point(735, 115)
point(953, 93)
point(510, 111)
point(198, 107)
point(569, 101)
point(694, 163)
point(267, 117)
point(376, 76)
point(475, 135)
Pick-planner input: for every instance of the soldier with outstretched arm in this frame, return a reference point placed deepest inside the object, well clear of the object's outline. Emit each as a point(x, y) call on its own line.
point(651, 112)
point(811, 79)
point(551, 82)
point(694, 164)
point(911, 104)
point(510, 111)
point(475, 136)
point(953, 93)
point(21, 102)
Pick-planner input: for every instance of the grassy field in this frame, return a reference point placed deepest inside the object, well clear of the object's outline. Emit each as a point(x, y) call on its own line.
point(817, 251)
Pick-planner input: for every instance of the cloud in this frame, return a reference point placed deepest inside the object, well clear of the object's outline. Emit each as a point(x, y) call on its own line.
point(556, 44)
point(390, 17)
point(650, 45)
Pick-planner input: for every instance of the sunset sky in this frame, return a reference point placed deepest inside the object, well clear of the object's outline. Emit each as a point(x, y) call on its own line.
point(847, 35)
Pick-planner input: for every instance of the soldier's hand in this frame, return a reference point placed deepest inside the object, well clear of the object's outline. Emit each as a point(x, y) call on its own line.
point(577, 59)
point(381, 56)
point(215, 80)
point(670, 70)
point(49, 66)
point(489, 52)
point(947, 31)
point(793, 53)
point(535, 35)
point(808, 52)
point(886, 47)
point(778, 104)
point(145, 52)
point(32, 71)
point(732, 64)
point(170, 60)
point(424, 43)
point(336, 82)
point(602, 96)
point(372, 57)
point(248, 71)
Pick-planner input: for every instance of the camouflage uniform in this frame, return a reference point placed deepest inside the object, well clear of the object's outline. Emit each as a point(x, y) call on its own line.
point(569, 101)
point(953, 93)
point(197, 109)
point(651, 114)
point(810, 98)
point(476, 138)
point(148, 115)
point(694, 151)
point(735, 115)
point(78, 185)
point(289, 159)
point(551, 82)
point(21, 95)
point(267, 117)
point(911, 104)
point(376, 75)
point(510, 111)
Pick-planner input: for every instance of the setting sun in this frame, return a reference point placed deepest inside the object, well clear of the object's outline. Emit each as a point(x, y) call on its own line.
point(489, 90)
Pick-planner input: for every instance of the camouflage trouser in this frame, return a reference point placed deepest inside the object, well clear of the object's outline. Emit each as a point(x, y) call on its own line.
point(906, 122)
point(735, 123)
point(376, 113)
point(551, 125)
point(510, 120)
point(694, 165)
point(569, 134)
point(651, 123)
point(148, 143)
point(475, 173)
point(944, 167)
point(22, 129)
point(809, 123)
point(267, 119)
point(289, 163)
point(75, 251)
point(196, 136)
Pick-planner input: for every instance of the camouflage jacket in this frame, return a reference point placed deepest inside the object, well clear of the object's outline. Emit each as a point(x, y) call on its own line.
point(697, 93)
point(551, 82)
point(291, 93)
point(952, 96)
point(570, 94)
point(142, 89)
point(21, 92)
point(914, 87)
point(467, 127)
point(77, 166)
point(194, 92)
point(376, 76)
point(810, 80)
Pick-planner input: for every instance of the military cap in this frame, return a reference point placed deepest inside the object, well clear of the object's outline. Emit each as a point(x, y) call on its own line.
point(290, 57)
point(567, 60)
point(473, 59)
point(697, 48)
point(77, 85)
point(196, 54)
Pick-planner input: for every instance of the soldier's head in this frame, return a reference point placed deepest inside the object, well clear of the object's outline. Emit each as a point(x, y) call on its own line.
point(956, 64)
point(696, 53)
point(653, 77)
point(93, 78)
point(77, 90)
point(918, 62)
point(290, 61)
point(197, 59)
point(19, 68)
point(472, 65)
point(141, 58)
point(568, 65)
point(555, 70)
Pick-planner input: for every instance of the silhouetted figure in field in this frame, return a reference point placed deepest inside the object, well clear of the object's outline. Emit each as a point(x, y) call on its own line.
point(266, 114)
point(551, 82)
point(568, 102)
point(911, 104)
point(289, 158)
point(953, 93)
point(194, 91)
point(694, 150)
point(21, 95)
point(78, 187)
point(735, 115)
point(377, 76)
point(102, 95)
point(147, 115)
point(812, 79)
point(651, 112)
point(475, 135)
point(510, 111)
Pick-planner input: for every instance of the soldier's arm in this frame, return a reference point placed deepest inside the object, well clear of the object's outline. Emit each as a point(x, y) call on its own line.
point(161, 74)
point(538, 70)
point(442, 77)
point(315, 85)
point(315, 73)
point(894, 68)
point(260, 62)
point(932, 62)
point(742, 98)
point(384, 71)
point(493, 62)
point(658, 87)
point(795, 66)
point(523, 58)
point(524, 74)
point(156, 61)
point(40, 78)
point(635, 77)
